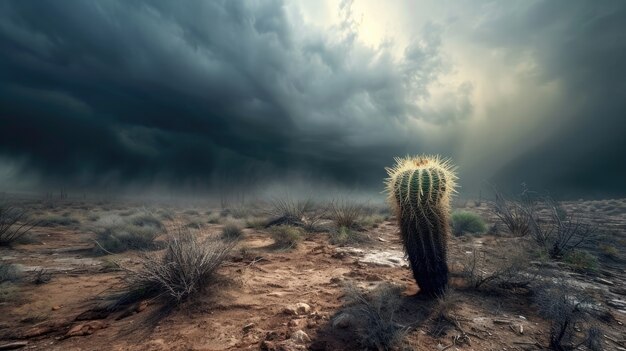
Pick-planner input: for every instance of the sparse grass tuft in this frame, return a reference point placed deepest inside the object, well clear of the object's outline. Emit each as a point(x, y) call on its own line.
point(256, 222)
point(214, 218)
point(581, 261)
point(116, 234)
point(346, 214)
point(347, 236)
point(285, 236)
point(467, 222)
point(41, 277)
point(231, 232)
point(195, 223)
point(371, 317)
point(146, 220)
point(609, 251)
point(186, 269)
point(289, 211)
point(9, 272)
point(371, 221)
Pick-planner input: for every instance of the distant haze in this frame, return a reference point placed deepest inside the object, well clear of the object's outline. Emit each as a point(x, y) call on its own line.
point(204, 95)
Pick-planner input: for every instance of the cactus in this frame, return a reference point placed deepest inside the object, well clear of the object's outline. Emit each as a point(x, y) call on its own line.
point(419, 190)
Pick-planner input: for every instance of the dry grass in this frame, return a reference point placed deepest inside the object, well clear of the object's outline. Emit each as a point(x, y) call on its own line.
point(372, 317)
point(516, 215)
point(14, 224)
point(116, 234)
point(232, 232)
point(516, 272)
point(347, 236)
point(186, 268)
point(286, 237)
point(346, 213)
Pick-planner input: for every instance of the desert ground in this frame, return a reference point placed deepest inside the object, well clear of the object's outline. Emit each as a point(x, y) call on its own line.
point(307, 294)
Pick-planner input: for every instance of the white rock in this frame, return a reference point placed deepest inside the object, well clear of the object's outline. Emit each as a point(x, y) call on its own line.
point(300, 337)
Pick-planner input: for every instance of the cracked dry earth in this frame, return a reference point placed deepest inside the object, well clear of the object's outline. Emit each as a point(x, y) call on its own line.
point(288, 300)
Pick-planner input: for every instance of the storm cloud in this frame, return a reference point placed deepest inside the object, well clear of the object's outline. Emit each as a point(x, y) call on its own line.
point(115, 93)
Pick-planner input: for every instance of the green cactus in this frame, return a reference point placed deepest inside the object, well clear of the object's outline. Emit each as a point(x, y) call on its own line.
point(419, 190)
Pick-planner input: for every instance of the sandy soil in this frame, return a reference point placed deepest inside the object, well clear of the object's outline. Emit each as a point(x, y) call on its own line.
point(246, 308)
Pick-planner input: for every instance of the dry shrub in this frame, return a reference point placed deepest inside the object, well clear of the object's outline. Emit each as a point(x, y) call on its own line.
point(372, 316)
point(565, 233)
point(285, 236)
point(14, 224)
point(567, 309)
point(346, 213)
point(231, 232)
point(289, 211)
point(347, 236)
point(516, 215)
point(467, 222)
point(514, 273)
point(185, 269)
point(116, 234)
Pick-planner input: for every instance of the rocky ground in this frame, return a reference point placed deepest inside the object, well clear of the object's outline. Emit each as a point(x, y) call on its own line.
point(292, 299)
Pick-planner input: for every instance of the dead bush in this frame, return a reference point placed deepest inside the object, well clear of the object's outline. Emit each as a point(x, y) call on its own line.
point(567, 309)
point(516, 215)
point(514, 273)
point(186, 269)
point(371, 316)
point(564, 234)
point(14, 224)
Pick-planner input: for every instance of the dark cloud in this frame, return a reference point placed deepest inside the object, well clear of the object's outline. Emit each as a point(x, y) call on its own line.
point(96, 94)
point(582, 46)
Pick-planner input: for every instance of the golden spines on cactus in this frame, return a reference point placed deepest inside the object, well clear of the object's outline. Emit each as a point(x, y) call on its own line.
point(419, 190)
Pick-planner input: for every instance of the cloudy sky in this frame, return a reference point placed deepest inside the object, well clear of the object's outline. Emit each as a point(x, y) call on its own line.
point(198, 94)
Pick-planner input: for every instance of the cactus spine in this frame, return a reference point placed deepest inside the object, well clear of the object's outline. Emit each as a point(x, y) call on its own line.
point(419, 190)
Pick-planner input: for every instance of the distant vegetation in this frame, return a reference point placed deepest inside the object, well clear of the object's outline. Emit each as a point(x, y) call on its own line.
point(467, 222)
point(116, 234)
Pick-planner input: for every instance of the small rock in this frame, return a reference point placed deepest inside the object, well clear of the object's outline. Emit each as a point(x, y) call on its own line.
point(141, 306)
point(246, 328)
point(56, 308)
point(300, 337)
point(298, 309)
point(85, 329)
point(382, 240)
